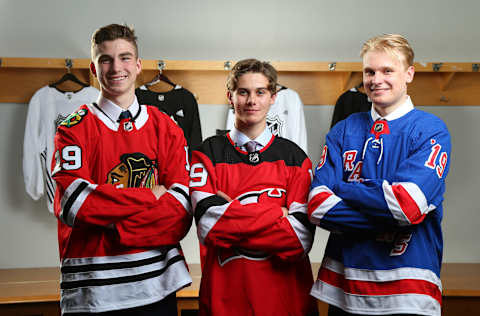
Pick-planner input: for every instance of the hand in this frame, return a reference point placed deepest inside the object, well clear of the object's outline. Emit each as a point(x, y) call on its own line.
point(158, 190)
point(223, 195)
point(285, 211)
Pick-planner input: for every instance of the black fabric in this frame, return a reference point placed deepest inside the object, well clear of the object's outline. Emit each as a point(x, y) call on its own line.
point(219, 150)
point(124, 115)
point(350, 102)
point(181, 105)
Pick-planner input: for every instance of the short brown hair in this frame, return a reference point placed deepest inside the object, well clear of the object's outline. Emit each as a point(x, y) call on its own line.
point(390, 43)
point(112, 32)
point(252, 65)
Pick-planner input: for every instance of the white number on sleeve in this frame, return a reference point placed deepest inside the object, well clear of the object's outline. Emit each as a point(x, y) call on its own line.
point(72, 155)
point(198, 175)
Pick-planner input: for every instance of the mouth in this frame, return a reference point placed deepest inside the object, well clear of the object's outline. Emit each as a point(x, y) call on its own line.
point(118, 78)
point(378, 90)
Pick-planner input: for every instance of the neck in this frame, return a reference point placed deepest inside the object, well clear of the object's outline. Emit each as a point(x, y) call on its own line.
point(252, 131)
point(124, 101)
point(383, 110)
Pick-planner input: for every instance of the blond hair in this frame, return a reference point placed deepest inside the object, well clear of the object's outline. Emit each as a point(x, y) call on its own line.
point(393, 44)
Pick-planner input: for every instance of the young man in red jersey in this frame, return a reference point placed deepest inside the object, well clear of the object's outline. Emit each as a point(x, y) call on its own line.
point(249, 192)
point(122, 194)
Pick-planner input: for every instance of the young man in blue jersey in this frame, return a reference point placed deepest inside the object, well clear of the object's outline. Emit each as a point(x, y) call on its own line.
point(379, 189)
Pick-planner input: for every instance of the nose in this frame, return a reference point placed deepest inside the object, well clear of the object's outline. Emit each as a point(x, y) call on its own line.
point(251, 98)
point(115, 65)
point(377, 77)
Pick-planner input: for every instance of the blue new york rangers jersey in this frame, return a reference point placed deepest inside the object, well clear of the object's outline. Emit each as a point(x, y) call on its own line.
point(379, 189)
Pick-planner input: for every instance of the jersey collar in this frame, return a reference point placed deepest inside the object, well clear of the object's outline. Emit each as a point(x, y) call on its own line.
point(239, 138)
point(113, 111)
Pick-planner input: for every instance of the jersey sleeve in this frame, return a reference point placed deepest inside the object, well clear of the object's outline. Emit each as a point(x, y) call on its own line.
point(170, 218)
point(221, 223)
point(325, 208)
point(79, 200)
point(416, 187)
point(289, 237)
point(33, 147)
point(196, 128)
point(297, 125)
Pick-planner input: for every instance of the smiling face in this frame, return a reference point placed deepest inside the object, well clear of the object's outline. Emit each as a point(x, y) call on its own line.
point(385, 78)
point(116, 66)
point(251, 100)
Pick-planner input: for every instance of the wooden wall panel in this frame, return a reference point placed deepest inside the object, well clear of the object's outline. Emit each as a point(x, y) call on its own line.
point(316, 82)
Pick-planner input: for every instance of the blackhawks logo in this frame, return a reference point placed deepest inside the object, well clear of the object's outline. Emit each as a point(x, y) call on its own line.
point(134, 171)
point(74, 118)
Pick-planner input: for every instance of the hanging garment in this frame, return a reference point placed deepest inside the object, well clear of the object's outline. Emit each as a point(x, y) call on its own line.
point(180, 104)
point(46, 110)
point(351, 101)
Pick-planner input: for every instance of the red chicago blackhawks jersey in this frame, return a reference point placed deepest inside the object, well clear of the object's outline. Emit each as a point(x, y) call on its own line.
point(256, 260)
point(119, 245)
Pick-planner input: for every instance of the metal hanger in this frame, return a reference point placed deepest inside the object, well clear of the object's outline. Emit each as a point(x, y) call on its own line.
point(69, 76)
point(160, 76)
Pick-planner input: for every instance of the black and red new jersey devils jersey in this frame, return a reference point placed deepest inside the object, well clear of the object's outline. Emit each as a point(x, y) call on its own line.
point(256, 261)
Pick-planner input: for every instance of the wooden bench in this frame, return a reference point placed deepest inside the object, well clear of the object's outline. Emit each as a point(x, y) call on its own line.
point(36, 291)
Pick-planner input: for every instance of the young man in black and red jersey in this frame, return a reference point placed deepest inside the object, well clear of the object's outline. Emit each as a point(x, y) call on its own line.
point(249, 192)
point(122, 194)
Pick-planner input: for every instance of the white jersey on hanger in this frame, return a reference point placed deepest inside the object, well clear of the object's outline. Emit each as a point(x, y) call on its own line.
point(285, 118)
point(46, 109)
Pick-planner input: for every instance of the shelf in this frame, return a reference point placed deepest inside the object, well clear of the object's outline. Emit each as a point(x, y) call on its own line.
point(318, 83)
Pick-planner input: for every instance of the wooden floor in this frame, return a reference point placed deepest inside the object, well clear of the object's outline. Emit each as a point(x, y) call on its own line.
point(36, 291)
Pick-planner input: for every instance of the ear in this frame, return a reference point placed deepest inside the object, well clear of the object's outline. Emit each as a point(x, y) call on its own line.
point(92, 69)
point(229, 97)
point(139, 65)
point(273, 98)
point(410, 74)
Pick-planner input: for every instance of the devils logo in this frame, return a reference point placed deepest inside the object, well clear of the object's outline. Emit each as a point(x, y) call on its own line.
point(263, 195)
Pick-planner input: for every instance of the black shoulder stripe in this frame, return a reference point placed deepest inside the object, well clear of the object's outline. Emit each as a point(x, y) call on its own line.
point(185, 195)
point(303, 218)
point(71, 200)
point(206, 203)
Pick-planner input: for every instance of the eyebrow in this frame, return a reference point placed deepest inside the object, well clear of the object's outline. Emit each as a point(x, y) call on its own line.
point(102, 56)
point(126, 54)
point(258, 88)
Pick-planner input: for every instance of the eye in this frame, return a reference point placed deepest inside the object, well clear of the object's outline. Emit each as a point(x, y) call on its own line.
point(261, 92)
point(242, 92)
